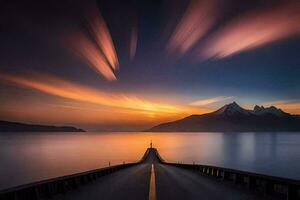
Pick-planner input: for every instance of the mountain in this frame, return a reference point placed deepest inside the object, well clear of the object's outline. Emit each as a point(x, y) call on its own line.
point(6, 126)
point(271, 110)
point(232, 110)
point(233, 118)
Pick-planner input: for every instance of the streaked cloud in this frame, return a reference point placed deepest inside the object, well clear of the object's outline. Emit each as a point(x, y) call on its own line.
point(204, 102)
point(101, 33)
point(196, 21)
point(290, 106)
point(75, 103)
point(90, 53)
point(95, 46)
point(133, 43)
point(253, 29)
point(66, 89)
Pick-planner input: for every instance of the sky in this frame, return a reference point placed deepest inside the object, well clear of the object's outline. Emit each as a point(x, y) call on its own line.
point(129, 65)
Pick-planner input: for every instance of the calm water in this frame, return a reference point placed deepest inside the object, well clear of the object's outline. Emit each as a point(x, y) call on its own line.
point(30, 157)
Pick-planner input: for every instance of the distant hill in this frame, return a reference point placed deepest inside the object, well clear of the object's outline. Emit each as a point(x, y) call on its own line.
point(6, 126)
point(233, 118)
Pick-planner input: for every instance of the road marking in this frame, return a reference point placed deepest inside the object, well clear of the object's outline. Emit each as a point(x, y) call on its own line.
point(152, 189)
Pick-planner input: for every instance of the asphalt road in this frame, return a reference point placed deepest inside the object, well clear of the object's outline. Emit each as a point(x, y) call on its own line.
point(171, 183)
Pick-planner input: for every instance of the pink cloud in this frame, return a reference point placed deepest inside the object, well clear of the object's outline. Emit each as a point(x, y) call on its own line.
point(196, 21)
point(252, 30)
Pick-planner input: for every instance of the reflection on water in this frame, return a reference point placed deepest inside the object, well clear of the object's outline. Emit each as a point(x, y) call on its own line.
point(31, 157)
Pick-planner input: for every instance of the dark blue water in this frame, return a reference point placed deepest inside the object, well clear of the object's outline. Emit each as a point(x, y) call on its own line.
point(27, 157)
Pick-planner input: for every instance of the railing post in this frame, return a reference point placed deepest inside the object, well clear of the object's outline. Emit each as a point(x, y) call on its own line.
point(224, 175)
point(218, 173)
point(207, 170)
point(251, 182)
point(269, 187)
point(37, 194)
point(62, 186)
point(237, 178)
point(292, 192)
point(15, 196)
point(48, 189)
point(74, 182)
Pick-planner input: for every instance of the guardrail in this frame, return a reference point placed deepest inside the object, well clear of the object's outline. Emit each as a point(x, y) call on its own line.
point(269, 185)
point(50, 187)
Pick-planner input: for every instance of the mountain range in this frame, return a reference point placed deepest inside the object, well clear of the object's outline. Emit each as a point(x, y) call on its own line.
point(234, 118)
point(6, 126)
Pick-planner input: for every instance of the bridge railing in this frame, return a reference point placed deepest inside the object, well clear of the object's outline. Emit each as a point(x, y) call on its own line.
point(50, 187)
point(269, 185)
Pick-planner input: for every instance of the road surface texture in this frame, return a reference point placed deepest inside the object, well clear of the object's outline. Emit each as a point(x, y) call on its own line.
point(165, 182)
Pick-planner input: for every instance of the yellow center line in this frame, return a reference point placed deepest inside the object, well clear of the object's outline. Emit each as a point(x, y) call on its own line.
point(152, 189)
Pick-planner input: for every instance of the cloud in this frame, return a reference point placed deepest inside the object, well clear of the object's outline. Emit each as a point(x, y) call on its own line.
point(95, 46)
point(75, 103)
point(204, 102)
point(58, 87)
point(133, 43)
point(196, 21)
point(252, 30)
point(102, 36)
point(90, 53)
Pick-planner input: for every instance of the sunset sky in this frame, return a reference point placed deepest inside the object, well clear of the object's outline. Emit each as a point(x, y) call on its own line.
point(129, 65)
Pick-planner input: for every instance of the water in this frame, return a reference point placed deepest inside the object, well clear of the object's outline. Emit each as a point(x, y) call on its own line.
point(27, 157)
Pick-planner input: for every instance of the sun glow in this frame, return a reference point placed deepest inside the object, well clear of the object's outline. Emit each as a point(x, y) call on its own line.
point(89, 103)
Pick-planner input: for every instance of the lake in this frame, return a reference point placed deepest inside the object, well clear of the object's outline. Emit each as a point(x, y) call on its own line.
point(27, 157)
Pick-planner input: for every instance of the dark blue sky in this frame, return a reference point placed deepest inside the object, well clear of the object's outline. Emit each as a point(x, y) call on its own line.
point(33, 38)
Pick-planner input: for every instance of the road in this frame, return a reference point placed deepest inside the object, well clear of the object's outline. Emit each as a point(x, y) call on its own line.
point(167, 182)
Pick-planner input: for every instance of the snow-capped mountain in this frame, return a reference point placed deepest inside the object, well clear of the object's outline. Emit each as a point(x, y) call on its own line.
point(234, 118)
point(232, 109)
point(260, 110)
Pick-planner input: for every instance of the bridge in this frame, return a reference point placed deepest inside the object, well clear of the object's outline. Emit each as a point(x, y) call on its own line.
point(152, 178)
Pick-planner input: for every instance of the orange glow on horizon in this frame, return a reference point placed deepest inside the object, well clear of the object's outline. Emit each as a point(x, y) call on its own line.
point(62, 88)
point(92, 105)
